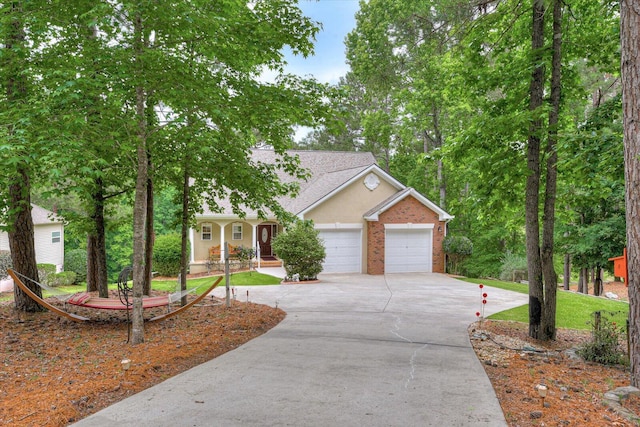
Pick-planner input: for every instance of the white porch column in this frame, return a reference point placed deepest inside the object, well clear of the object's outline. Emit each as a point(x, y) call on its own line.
point(192, 255)
point(222, 245)
point(254, 232)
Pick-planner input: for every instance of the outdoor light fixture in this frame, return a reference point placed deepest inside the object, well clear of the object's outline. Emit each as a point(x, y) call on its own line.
point(542, 392)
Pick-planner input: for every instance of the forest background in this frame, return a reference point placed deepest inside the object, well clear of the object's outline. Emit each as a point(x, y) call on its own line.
point(438, 92)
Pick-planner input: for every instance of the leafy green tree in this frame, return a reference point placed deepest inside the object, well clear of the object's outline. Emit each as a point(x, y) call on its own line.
point(301, 250)
point(402, 53)
point(209, 86)
point(119, 247)
point(87, 114)
point(457, 249)
point(23, 140)
point(593, 224)
point(344, 132)
point(499, 58)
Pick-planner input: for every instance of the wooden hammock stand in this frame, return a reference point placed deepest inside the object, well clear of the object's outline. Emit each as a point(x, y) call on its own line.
point(83, 299)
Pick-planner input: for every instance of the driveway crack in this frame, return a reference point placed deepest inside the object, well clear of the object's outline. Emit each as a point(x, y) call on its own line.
point(390, 294)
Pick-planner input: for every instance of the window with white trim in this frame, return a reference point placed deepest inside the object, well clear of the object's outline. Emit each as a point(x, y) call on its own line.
point(236, 231)
point(206, 231)
point(55, 237)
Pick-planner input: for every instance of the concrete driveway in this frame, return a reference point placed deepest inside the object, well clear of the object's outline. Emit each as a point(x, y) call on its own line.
point(354, 350)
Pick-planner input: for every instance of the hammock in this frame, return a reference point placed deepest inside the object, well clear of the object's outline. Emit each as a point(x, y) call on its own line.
point(83, 299)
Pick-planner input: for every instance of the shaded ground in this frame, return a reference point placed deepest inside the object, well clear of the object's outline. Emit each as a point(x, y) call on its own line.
point(54, 372)
point(575, 388)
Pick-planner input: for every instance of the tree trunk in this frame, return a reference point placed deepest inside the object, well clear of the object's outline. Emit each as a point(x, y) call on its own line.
point(140, 203)
point(438, 143)
point(597, 282)
point(580, 281)
point(21, 240)
point(150, 234)
point(548, 270)
point(532, 228)
point(96, 245)
point(585, 285)
point(91, 267)
point(184, 261)
point(630, 42)
point(566, 281)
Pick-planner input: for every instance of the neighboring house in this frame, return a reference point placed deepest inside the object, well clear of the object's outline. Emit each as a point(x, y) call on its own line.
point(48, 230)
point(369, 222)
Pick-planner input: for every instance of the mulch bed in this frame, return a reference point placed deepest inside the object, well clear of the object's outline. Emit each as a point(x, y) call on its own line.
point(55, 371)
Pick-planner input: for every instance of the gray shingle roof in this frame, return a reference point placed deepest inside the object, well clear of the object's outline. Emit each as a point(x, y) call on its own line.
point(328, 170)
point(42, 216)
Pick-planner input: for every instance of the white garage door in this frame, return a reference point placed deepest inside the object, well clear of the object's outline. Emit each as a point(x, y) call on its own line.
point(343, 249)
point(408, 250)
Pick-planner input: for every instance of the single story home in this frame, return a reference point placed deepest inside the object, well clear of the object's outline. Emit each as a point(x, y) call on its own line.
point(48, 231)
point(369, 222)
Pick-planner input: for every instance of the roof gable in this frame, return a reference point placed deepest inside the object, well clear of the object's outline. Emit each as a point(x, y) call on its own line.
point(328, 171)
point(385, 205)
point(41, 215)
point(374, 168)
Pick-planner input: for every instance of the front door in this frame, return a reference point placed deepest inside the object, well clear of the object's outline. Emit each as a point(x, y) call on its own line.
point(265, 233)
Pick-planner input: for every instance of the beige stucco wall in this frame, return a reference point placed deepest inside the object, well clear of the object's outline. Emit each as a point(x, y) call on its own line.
point(349, 205)
point(247, 235)
point(201, 247)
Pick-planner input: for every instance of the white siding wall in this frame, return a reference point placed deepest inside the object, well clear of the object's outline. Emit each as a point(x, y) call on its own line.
point(47, 252)
point(4, 241)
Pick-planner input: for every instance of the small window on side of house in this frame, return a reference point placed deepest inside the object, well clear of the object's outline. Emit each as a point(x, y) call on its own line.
point(206, 232)
point(236, 231)
point(55, 237)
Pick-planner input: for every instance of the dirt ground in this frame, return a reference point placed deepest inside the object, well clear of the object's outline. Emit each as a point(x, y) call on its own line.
point(54, 372)
point(516, 364)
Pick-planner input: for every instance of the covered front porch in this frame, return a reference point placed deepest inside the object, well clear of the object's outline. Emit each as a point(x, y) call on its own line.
point(249, 244)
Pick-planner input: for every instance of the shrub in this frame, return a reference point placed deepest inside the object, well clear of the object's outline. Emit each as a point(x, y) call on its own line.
point(301, 250)
point(44, 271)
point(245, 255)
point(76, 260)
point(64, 278)
point(5, 263)
point(457, 248)
point(514, 267)
point(606, 337)
point(166, 254)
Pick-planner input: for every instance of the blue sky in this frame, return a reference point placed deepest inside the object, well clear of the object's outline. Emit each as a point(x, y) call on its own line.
point(337, 18)
point(329, 62)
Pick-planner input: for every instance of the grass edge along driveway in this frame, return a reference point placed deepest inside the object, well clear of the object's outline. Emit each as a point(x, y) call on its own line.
point(573, 311)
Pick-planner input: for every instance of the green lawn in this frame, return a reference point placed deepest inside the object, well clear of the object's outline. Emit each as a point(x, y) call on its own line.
point(574, 311)
point(245, 278)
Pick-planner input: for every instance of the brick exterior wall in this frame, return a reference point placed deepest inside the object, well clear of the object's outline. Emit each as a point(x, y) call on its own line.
point(408, 210)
